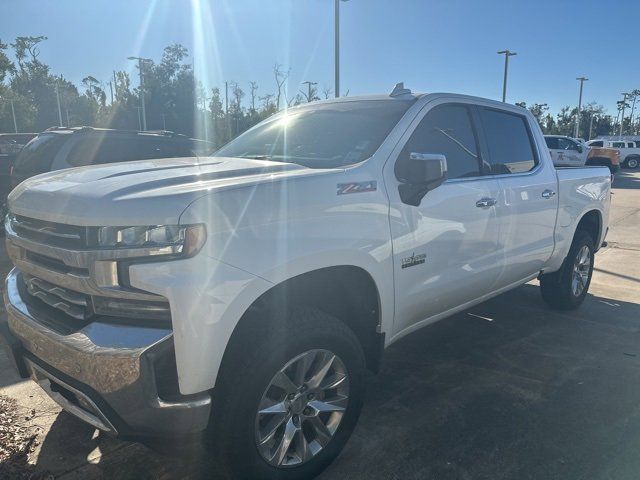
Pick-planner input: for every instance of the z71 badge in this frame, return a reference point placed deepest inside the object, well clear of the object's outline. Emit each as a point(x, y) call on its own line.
point(414, 260)
point(357, 187)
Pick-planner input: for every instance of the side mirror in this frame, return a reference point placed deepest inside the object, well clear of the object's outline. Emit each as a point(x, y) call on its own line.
point(422, 172)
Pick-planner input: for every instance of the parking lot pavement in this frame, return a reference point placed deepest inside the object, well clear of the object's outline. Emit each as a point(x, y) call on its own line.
point(509, 389)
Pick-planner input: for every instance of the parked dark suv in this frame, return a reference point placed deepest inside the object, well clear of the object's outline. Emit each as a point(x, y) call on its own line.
point(10, 146)
point(59, 147)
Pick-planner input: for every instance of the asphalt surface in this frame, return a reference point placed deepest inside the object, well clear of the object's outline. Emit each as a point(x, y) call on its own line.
point(508, 390)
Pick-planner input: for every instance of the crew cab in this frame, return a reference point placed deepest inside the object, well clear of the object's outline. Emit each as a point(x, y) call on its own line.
point(245, 294)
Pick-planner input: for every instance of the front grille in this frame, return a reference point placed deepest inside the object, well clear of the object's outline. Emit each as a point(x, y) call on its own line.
point(57, 267)
point(74, 304)
point(51, 233)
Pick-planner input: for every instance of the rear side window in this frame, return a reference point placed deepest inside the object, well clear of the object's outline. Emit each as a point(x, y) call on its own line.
point(618, 144)
point(598, 143)
point(509, 142)
point(37, 155)
point(446, 130)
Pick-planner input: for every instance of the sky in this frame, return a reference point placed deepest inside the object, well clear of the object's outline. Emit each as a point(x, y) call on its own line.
point(431, 45)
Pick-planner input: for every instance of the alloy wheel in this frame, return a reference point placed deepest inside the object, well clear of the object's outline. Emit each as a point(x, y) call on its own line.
point(581, 270)
point(301, 408)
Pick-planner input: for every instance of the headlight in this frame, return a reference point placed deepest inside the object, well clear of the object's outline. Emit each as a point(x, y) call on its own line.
point(182, 239)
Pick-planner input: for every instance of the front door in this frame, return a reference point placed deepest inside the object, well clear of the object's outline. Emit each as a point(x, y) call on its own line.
point(446, 248)
point(566, 153)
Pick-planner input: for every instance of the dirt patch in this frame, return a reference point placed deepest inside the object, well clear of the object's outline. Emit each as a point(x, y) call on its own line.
point(17, 442)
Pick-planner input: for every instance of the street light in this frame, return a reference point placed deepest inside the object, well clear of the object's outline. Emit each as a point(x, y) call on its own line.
point(624, 104)
point(577, 131)
point(337, 45)
point(13, 114)
point(58, 101)
point(144, 112)
point(591, 124)
point(507, 54)
point(309, 85)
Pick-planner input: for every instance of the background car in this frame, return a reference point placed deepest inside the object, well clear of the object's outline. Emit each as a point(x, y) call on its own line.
point(574, 152)
point(629, 150)
point(566, 151)
point(61, 147)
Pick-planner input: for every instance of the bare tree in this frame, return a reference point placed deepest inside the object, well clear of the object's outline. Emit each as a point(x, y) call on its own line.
point(253, 88)
point(267, 101)
point(327, 91)
point(297, 99)
point(281, 77)
point(238, 94)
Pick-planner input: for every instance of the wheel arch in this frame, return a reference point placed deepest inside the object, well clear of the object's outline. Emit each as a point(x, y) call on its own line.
point(347, 292)
point(591, 222)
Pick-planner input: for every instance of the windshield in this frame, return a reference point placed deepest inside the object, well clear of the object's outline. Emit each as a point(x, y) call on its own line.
point(37, 155)
point(322, 136)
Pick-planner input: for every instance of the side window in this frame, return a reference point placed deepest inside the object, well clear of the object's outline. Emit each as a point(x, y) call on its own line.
point(566, 144)
point(509, 142)
point(552, 142)
point(446, 130)
point(596, 144)
point(618, 144)
point(85, 151)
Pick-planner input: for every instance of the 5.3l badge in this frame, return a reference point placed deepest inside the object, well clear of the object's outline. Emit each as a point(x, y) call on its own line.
point(414, 260)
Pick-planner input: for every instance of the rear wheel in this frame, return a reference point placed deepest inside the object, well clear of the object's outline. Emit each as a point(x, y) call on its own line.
point(567, 288)
point(632, 162)
point(287, 407)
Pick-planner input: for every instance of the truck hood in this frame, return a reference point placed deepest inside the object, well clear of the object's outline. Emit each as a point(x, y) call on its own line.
point(152, 192)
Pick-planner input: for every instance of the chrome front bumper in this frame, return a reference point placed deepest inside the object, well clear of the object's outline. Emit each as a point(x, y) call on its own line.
point(107, 373)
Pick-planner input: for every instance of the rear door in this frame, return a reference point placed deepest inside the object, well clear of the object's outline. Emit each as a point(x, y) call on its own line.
point(528, 193)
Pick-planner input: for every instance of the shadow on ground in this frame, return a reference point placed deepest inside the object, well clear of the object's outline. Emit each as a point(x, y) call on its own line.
point(626, 179)
point(506, 390)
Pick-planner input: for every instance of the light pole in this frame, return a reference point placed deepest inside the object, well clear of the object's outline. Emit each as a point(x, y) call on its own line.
point(337, 45)
point(624, 104)
point(309, 85)
point(577, 130)
point(59, 109)
point(13, 114)
point(144, 112)
point(507, 54)
point(634, 94)
point(591, 124)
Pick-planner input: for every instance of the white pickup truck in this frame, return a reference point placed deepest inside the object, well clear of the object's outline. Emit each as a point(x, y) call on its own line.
point(244, 295)
point(566, 151)
point(629, 150)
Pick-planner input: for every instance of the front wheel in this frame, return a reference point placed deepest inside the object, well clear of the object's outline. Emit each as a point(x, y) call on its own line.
point(288, 406)
point(567, 288)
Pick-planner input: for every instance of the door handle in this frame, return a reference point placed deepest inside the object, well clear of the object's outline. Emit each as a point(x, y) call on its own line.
point(548, 194)
point(486, 202)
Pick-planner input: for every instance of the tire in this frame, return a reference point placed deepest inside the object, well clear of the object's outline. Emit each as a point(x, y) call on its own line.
point(632, 163)
point(248, 383)
point(558, 288)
